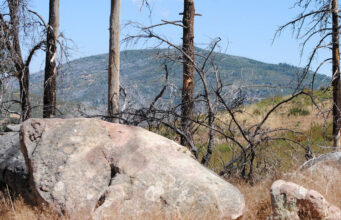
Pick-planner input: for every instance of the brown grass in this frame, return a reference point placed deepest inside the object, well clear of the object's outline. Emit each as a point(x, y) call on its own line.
point(324, 179)
point(17, 210)
point(257, 198)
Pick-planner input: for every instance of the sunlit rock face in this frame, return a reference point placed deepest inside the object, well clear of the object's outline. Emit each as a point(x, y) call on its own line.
point(112, 170)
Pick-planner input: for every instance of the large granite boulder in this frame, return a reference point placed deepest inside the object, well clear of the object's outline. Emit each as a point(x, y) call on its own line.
point(13, 173)
point(113, 170)
point(293, 202)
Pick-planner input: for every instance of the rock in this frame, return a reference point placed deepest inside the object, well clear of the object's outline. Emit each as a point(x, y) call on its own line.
point(12, 164)
point(115, 170)
point(12, 128)
point(291, 201)
point(325, 159)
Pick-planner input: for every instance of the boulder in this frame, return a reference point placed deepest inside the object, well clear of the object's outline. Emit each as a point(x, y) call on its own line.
point(113, 170)
point(291, 201)
point(333, 158)
point(13, 173)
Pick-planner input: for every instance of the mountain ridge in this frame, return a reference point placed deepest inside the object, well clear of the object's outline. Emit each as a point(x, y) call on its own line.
point(142, 72)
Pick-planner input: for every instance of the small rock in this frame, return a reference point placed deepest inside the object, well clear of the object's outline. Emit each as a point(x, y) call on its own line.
point(292, 202)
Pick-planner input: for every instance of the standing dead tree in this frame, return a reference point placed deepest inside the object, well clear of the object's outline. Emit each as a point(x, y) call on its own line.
point(14, 21)
point(24, 31)
point(187, 104)
point(50, 81)
point(114, 61)
point(5, 69)
point(336, 74)
point(322, 22)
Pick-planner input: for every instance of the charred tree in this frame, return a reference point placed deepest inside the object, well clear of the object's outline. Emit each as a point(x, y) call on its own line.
point(22, 70)
point(336, 74)
point(187, 103)
point(114, 62)
point(25, 94)
point(50, 82)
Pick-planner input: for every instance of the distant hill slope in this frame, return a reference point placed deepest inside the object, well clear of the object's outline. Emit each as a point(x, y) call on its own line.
point(85, 79)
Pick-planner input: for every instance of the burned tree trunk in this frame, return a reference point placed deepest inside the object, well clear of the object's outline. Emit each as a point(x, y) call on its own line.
point(114, 62)
point(22, 71)
point(336, 75)
point(50, 82)
point(25, 95)
point(187, 103)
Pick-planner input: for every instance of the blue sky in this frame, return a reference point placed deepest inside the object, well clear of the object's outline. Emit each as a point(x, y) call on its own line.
point(245, 27)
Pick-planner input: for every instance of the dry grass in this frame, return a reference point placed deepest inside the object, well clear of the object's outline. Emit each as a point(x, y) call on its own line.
point(324, 179)
point(257, 198)
point(254, 113)
point(17, 210)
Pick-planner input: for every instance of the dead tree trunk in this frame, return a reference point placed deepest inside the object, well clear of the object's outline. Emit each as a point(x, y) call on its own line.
point(187, 103)
point(50, 82)
point(114, 62)
point(336, 75)
point(21, 69)
point(25, 95)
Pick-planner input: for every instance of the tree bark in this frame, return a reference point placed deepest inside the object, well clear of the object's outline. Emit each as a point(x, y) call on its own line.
point(50, 82)
point(187, 104)
point(25, 95)
point(114, 62)
point(336, 75)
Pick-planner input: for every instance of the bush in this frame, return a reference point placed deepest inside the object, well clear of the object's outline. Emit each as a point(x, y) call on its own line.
point(298, 112)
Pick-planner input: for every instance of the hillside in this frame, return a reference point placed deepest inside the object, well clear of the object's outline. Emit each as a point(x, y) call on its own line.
point(142, 73)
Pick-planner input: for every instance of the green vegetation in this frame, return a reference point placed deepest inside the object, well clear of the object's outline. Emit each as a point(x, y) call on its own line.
point(297, 111)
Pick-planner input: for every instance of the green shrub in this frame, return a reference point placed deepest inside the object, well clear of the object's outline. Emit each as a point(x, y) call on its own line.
point(296, 111)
